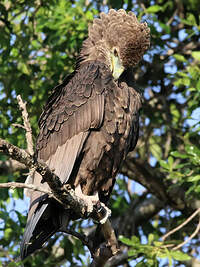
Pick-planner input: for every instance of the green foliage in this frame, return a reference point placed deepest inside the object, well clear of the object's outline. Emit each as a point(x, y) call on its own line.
point(184, 164)
point(39, 43)
point(151, 252)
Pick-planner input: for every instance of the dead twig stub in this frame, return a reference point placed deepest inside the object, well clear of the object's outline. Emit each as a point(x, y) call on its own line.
point(27, 125)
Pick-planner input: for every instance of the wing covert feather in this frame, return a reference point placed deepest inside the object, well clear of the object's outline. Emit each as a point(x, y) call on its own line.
point(78, 107)
point(71, 111)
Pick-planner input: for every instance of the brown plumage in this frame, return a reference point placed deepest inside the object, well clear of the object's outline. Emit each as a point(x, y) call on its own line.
point(90, 121)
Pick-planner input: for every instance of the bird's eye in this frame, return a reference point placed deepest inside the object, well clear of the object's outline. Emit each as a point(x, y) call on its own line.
point(115, 52)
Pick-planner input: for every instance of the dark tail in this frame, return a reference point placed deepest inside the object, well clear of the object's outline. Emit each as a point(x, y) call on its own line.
point(45, 222)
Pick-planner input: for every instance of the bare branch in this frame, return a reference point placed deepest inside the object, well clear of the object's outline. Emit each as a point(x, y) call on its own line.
point(17, 125)
point(103, 253)
point(190, 237)
point(14, 185)
point(181, 225)
point(117, 260)
point(62, 193)
point(84, 239)
point(27, 125)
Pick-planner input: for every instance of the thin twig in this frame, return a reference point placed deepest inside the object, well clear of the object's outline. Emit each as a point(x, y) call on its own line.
point(190, 237)
point(29, 140)
point(181, 225)
point(84, 239)
point(17, 125)
point(172, 18)
point(14, 185)
point(27, 125)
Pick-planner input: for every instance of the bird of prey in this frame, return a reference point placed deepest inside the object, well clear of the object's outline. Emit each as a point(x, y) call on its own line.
point(90, 122)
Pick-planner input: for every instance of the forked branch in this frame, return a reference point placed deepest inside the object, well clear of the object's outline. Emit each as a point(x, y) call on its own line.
point(64, 194)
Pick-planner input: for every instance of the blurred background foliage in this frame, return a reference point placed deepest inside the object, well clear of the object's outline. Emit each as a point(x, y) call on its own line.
point(159, 184)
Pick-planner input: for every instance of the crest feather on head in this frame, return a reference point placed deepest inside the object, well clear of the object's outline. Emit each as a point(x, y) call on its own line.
point(123, 31)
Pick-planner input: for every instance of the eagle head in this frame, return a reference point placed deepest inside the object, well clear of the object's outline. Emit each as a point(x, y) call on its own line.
point(118, 39)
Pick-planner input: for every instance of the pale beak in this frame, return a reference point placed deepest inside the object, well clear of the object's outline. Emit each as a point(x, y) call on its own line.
point(116, 66)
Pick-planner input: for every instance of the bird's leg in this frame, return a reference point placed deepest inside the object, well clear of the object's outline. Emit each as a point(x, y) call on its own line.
point(102, 213)
point(93, 202)
point(90, 200)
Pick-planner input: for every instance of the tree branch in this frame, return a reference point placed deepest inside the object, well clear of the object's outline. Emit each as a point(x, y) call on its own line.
point(27, 126)
point(153, 182)
point(181, 225)
point(14, 185)
point(65, 195)
point(189, 238)
point(102, 254)
point(117, 260)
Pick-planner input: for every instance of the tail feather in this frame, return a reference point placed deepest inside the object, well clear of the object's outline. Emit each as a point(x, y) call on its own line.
point(45, 222)
point(28, 244)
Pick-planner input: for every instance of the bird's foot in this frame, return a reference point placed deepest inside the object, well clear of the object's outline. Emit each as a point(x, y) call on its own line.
point(108, 214)
point(100, 212)
point(89, 200)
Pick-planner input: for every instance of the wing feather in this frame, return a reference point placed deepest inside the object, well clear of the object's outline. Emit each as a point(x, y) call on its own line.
point(63, 160)
point(72, 111)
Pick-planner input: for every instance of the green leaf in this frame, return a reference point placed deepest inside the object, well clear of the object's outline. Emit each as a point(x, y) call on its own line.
point(157, 243)
point(190, 20)
point(194, 178)
point(132, 252)
point(23, 68)
point(182, 74)
point(126, 241)
point(196, 55)
point(180, 58)
point(179, 255)
point(150, 238)
point(135, 239)
point(170, 162)
point(198, 85)
point(153, 9)
point(193, 150)
point(165, 27)
point(177, 154)
point(180, 166)
point(164, 164)
point(8, 233)
point(155, 147)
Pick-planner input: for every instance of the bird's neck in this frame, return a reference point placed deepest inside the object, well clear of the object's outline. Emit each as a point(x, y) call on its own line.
point(94, 52)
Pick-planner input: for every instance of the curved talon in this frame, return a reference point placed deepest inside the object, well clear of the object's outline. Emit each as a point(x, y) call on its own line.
point(107, 214)
point(102, 213)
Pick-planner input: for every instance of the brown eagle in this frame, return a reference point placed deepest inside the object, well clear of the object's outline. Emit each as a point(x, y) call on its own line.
point(90, 122)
